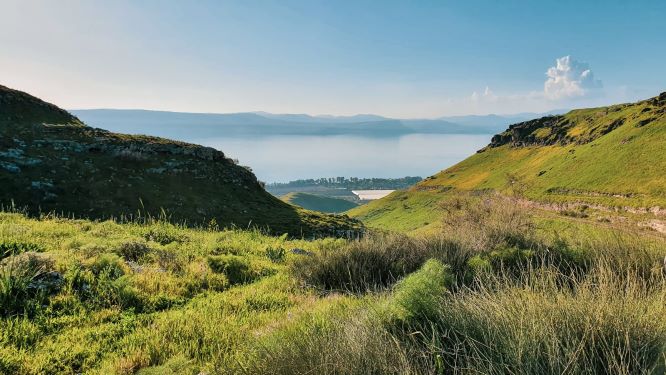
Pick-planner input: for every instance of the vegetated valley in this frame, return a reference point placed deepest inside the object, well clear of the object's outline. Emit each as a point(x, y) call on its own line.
point(473, 271)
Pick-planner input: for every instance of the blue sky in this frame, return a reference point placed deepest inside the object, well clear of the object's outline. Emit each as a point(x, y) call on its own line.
point(394, 58)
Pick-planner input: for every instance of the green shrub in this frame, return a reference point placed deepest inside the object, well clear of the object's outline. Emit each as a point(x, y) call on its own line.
point(169, 259)
point(108, 264)
point(133, 250)
point(487, 222)
point(276, 254)
point(237, 269)
point(510, 260)
point(25, 284)
point(215, 281)
point(367, 264)
point(492, 234)
point(102, 283)
point(514, 262)
point(164, 234)
point(9, 248)
point(222, 249)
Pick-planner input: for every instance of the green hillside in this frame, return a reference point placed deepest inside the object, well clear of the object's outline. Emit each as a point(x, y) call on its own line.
point(612, 158)
point(319, 203)
point(52, 162)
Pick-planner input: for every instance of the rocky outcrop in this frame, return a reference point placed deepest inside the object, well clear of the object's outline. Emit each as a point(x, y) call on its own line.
point(659, 101)
point(524, 133)
point(578, 127)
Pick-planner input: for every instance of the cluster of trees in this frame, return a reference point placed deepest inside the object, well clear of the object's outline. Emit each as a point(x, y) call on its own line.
point(351, 183)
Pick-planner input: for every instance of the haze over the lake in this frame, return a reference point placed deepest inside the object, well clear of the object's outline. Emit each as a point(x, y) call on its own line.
point(281, 148)
point(283, 159)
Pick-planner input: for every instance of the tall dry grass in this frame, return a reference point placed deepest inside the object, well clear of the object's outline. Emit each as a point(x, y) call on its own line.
point(514, 302)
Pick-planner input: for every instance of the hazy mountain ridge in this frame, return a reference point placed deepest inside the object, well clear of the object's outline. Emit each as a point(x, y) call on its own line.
point(203, 125)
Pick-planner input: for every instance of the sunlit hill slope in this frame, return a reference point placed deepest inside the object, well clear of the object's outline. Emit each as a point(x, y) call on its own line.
point(609, 157)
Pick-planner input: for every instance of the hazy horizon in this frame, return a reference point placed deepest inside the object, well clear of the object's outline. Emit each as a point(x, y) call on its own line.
point(394, 59)
point(323, 115)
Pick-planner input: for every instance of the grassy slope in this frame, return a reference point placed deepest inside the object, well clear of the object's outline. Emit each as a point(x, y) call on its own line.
point(623, 168)
point(319, 203)
point(76, 170)
point(154, 299)
point(168, 292)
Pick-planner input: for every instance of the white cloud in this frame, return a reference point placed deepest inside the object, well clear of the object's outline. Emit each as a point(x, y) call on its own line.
point(569, 84)
point(488, 95)
point(568, 79)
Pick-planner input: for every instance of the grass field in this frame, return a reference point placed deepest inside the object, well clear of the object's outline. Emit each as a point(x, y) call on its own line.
point(489, 293)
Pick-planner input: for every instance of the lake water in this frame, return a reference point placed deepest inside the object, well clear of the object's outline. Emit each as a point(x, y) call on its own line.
point(370, 195)
point(286, 158)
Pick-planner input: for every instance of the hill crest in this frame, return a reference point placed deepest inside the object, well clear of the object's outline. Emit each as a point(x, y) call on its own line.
point(18, 106)
point(577, 126)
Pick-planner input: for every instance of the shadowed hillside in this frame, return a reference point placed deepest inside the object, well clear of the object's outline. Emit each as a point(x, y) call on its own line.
point(319, 203)
point(51, 161)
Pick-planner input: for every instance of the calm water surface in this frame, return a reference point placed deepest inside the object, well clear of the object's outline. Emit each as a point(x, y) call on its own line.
point(286, 158)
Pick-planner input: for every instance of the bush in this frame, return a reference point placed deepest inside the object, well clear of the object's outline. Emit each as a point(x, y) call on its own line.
point(26, 281)
point(133, 250)
point(215, 281)
point(109, 264)
point(102, 283)
point(237, 269)
point(367, 264)
point(169, 259)
point(164, 234)
point(9, 248)
point(493, 234)
point(276, 254)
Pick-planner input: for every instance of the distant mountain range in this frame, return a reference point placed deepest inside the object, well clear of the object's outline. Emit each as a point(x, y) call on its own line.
point(181, 125)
